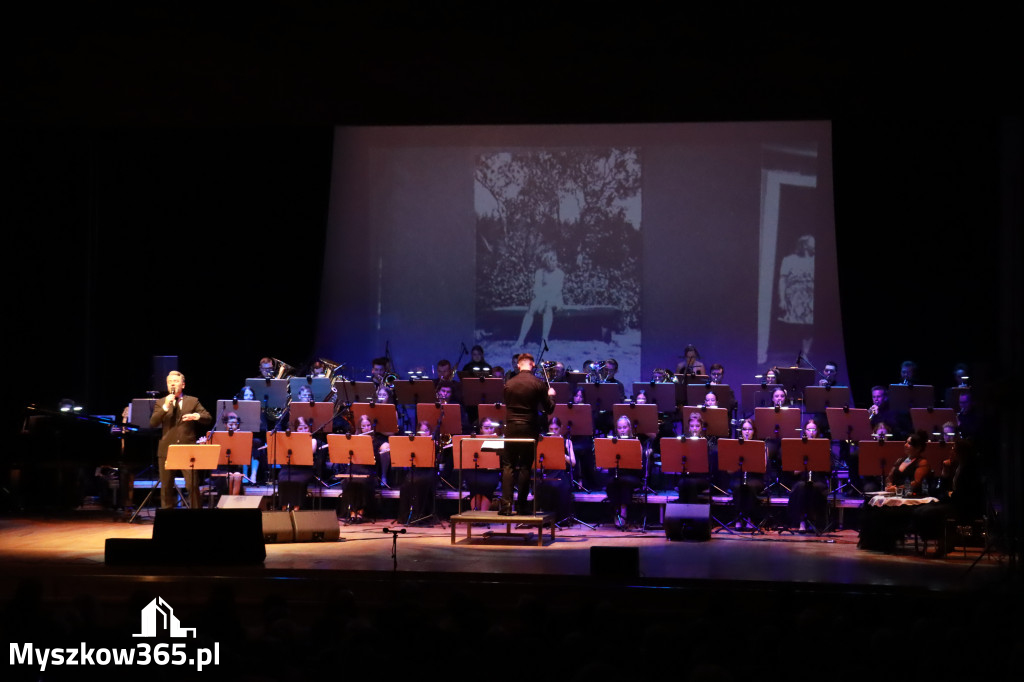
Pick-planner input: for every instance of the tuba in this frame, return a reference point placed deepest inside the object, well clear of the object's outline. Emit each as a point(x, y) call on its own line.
point(282, 369)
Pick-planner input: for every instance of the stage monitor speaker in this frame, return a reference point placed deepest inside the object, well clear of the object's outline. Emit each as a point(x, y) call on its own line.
point(242, 502)
point(316, 526)
point(278, 527)
point(615, 562)
point(210, 536)
point(688, 521)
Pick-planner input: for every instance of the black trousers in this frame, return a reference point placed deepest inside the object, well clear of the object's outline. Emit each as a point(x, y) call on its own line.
point(517, 466)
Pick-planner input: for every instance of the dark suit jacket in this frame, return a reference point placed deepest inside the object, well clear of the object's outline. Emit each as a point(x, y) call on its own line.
point(176, 431)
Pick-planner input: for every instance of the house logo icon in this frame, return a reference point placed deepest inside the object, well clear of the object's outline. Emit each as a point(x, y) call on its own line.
point(158, 620)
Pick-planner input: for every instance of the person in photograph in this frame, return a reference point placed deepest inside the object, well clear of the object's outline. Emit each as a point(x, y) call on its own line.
point(548, 281)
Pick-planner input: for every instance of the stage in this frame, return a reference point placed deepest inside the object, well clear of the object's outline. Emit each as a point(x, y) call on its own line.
point(310, 605)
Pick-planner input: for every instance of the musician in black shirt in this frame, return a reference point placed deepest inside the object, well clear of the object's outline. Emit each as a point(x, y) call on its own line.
point(527, 401)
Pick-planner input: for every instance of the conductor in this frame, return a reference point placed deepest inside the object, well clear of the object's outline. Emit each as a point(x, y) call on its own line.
point(527, 403)
point(183, 420)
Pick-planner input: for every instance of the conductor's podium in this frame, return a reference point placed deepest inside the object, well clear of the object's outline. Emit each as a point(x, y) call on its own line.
point(540, 521)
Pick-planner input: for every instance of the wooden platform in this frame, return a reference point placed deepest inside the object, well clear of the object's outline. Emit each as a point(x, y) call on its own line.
point(538, 521)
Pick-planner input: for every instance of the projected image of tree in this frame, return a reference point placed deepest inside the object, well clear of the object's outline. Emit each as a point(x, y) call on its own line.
point(559, 252)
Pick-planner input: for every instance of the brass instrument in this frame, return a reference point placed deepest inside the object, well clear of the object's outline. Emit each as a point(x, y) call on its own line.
point(282, 369)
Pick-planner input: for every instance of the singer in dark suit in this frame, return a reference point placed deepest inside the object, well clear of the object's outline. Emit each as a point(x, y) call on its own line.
point(183, 419)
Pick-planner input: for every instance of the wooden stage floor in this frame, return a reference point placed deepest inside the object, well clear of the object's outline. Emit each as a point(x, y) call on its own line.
point(733, 607)
point(74, 543)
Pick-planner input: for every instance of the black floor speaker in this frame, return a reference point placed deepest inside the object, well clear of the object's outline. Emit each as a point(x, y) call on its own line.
point(615, 562)
point(278, 527)
point(316, 526)
point(688, 521)
point(210, 536)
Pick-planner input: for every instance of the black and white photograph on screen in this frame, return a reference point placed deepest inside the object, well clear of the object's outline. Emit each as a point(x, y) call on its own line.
point(559, 253)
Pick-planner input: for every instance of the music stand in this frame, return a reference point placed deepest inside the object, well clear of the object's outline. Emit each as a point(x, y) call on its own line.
point(236, 450)
point(286, 449)
point(361, 391)
point(602, 396)
point(319, 415)
point(716, 419)
point(476, 391)
point(475, 453)
point(644, 418)
point(686, 456)
point(745, 456)
point(850, 425)
point(413, 391)
point(383, 416)
point(876, 457)
point(248, 412)
point(807, 455)
point(496, 413)
point(578, 419)
point(794, 379)
point(319, 386)
point(193, 459)
point(271, 393)
point(724, 395)
point(931, 419)
point(575, 379)
point(952, 396)
point(904, 398)
point(817, 399)
point(753, 396)
point(618, 453)
point(236, 447)
point(350, 449)
point(777, 422)
point(141, 411)
point(449, 414)
point(563, 391)
point(664, 395)
point(415, 452)
point(936, 454)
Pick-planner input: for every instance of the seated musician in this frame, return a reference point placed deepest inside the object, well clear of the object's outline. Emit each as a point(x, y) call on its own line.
point(912, 469)
point(690, 488)
point(691, 363)
point(717, 373)
point(482, 483)
point(235, 474)
point(624, 481)
point(477, 363)
point(554, 491)
point(305, 394)
point(293, 479)
point(745, 491)
point(808, 500)
point(357, 496)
